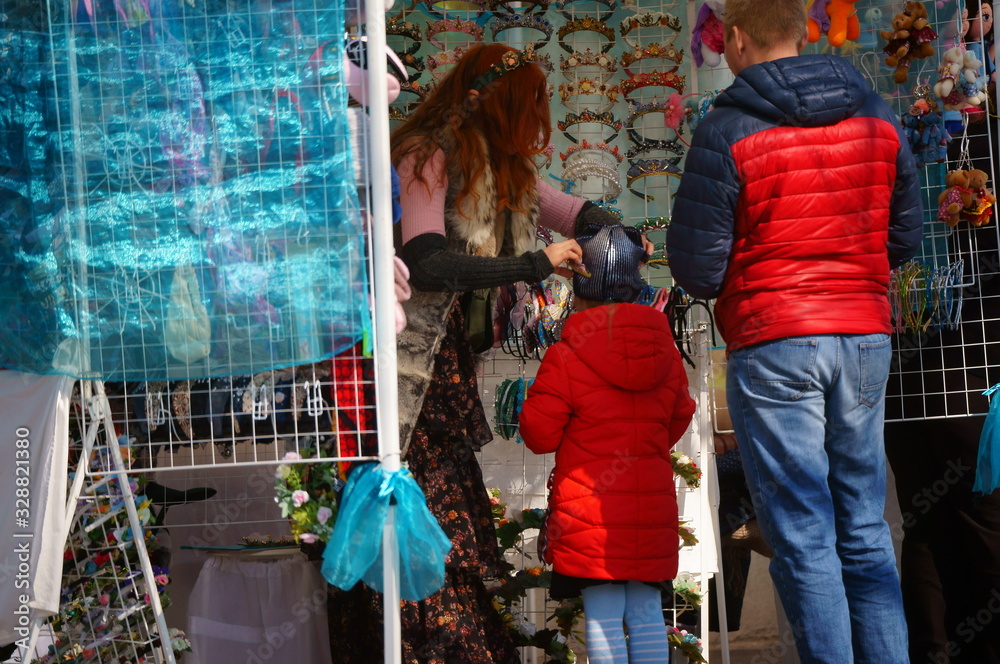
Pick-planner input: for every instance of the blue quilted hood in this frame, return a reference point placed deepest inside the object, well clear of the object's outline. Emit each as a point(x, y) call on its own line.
point(804, 91)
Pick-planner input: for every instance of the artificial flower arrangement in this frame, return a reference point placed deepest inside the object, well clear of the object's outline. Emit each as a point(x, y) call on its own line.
point(686, 469)
point(307, 495)
point(514, 585)
point(105, 604)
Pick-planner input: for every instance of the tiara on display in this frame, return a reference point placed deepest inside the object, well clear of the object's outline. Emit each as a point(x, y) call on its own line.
point(435, 61)
point(452, 9)
point(396, 113)
point(411, 86)
point(643, 147)
point(584, 168)
point(569, 64)
point(587, 86)
point(561, 7)
point(400, 27)
point(586, 24)
point(517, 21)
point(470, 28)
point(652, 224)
point(594, 150)
point(509, 61)
point(645, 167)
point(502, 7)
point(653, 51)
point(609, 207)
point(411, 61)
point(636, 111)
point(652, 79)
point(647, 20)
point(588, 116)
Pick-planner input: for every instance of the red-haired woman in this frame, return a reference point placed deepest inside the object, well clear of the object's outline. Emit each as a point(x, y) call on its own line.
point(471, 199)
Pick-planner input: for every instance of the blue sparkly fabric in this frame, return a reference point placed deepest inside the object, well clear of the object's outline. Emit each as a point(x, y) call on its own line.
point(177, 195)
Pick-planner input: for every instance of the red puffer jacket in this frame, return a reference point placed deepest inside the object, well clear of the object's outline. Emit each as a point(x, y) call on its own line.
point(610, 400)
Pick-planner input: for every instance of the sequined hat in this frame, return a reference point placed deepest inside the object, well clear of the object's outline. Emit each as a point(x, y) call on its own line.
point(612, 255)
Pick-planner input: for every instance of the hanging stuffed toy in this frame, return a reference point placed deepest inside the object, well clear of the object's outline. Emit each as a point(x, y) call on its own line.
point(909, 40)
point(819, 19)
point(955, 198)
point(979, 210)
point(924, 130)
point(844, 24)
point(708, 34)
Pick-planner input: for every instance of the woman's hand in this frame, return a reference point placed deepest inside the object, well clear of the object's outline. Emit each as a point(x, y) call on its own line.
point(560, 252)
point(647, 247)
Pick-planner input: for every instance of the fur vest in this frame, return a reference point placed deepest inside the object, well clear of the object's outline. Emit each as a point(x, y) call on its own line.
point(478, 230)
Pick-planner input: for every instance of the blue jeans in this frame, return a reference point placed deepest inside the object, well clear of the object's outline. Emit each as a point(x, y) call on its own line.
point(808, 414)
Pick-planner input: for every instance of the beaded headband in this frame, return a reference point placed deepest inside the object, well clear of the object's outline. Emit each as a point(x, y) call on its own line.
point(569, 64)
point(413, 87)
point(646, 167)
point(517, 21)
point(588, 24)
point(435, 61)
point(587, 149)
point(608, 207)
point(561, 6)
point(509, 61)
point(652, 224)
point(470, 28)
point(586, 168)
point(653, 51)
point(396, 113)
point(394, 25)
point(653, 79)
point(502, 7)
point(586, 86)
point(652, 145)
point(587, 116)
point(647, 20)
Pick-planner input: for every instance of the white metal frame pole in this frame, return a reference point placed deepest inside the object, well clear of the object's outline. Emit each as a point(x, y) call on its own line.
point(385, 316)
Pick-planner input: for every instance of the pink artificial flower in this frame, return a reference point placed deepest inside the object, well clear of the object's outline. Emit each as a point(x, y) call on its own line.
point(324, 514)
point(308, 538)
point(299, 498)
point(146, 599)
point(161, 579)
point(292, 456)
point(104, 599)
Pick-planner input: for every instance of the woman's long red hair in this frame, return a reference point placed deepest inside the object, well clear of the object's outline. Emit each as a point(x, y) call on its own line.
point(511, 114)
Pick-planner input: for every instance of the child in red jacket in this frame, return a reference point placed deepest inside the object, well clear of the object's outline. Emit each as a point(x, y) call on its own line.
point(611, 399)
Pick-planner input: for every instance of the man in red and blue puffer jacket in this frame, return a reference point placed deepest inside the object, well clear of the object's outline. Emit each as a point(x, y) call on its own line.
point(799, 195)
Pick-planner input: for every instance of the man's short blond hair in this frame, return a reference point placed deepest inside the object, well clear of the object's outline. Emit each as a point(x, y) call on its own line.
point(768, 23)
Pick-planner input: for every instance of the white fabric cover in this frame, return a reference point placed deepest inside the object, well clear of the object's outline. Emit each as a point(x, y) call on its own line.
point(243, 612)
point(39, 404)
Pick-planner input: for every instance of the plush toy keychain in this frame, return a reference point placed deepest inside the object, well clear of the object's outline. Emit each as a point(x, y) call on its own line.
point(909, 39)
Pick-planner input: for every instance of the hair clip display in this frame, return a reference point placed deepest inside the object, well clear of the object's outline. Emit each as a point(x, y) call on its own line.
point(637, 22)
point(586, 24)
point(502, 7)
point(564, 8)
point(654, 145)
point(654, 51)
point(588, 116)
point(522, 21)
point(646, 167)
point(584, 63)
point(583, 169)
point(470, 28)
point(440, 63)
point(653, 79)
point(570, 92)
point(509, 61)
point(400, 27)
point(595, 151)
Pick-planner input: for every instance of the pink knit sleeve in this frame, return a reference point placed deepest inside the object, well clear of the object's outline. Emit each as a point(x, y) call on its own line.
point(423, 210)
point(557, 211)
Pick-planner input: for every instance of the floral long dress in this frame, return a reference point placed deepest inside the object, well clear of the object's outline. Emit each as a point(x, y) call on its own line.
point(457, 625)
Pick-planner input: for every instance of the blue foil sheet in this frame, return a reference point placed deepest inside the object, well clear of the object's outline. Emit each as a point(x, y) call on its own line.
point(177, 194)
